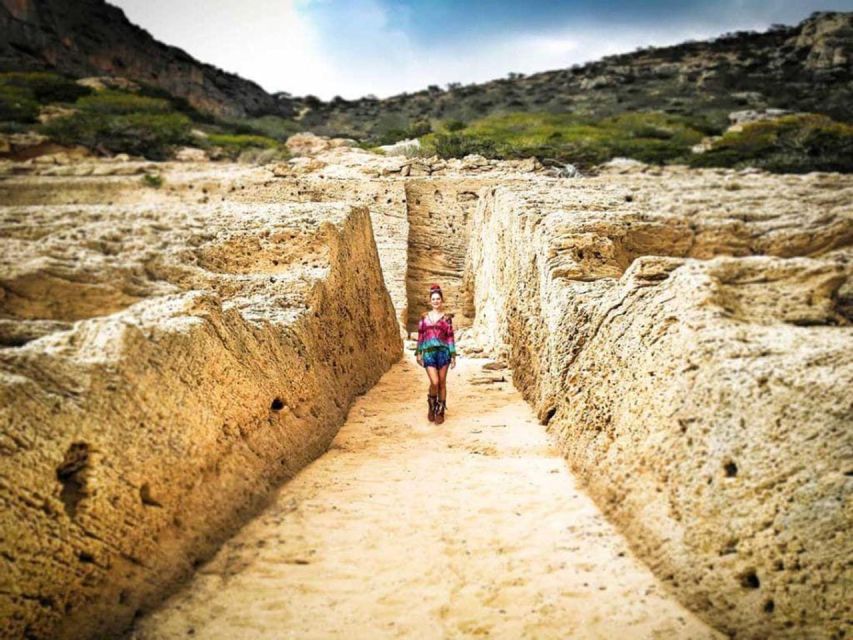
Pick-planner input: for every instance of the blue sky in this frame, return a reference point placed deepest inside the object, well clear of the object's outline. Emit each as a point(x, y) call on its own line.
point(357, 47)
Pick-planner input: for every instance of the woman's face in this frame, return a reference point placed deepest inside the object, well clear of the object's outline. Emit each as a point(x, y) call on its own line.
point(435, 301)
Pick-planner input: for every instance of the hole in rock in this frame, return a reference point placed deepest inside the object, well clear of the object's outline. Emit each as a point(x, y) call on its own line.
point(146, 497)
point(730, 547)
point(277, 404)
point(71, 474)
point(549, 415)
point(86, 557)
point(769, 606)
point(731, 469)
point(15, 341)
point(750, 580)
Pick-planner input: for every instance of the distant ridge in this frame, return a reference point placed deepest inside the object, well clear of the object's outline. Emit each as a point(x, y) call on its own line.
point(808, 67)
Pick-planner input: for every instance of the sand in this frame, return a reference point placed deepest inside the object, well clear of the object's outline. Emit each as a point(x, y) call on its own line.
point(406, 529)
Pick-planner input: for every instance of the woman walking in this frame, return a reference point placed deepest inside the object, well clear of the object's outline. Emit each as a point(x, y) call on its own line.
point(436, 350)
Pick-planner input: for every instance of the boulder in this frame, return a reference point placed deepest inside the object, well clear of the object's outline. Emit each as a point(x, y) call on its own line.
point(191, 154)
point(101, 83)
point(307, 144)
point(402, 147)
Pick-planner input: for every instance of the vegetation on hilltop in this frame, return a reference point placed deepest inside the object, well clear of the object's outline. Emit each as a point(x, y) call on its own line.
point(655, 105)
point(650, 137)
point(796, 143)
point(148, 123)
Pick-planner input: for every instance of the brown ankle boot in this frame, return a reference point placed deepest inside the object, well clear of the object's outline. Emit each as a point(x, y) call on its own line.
point(439, 411)
point(431, 400)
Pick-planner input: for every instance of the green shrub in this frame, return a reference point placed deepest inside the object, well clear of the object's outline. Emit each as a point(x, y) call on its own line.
point(417, 129)
point(23, 94)
point(44, 87)
point(178, 103)
point(256, 155)
point(147, 134)
point(17, 104)
point(796, 143)
point(119, 102)
point(241, 141)
point(153, 180)
point(8, 126)
point(454, 125)
point(233, 145)
point(456, 145)
point(270, 126)
point(646, 136)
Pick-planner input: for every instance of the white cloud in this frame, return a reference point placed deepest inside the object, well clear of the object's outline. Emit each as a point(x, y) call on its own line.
point(267, 41)
point(405, 67)
point(352, 47)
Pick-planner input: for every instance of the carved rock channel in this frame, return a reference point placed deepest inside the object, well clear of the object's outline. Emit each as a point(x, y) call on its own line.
point(171, 355)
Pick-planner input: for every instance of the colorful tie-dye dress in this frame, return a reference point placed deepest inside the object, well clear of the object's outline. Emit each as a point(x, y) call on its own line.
point(435, 341)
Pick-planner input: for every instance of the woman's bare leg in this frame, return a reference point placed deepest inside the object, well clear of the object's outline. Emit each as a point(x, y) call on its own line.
point(434, 381)
point(442, 383)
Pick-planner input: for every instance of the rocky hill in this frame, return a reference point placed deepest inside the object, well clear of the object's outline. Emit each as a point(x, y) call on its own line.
point(808, 67)
point(801, 68)
point(91, 37)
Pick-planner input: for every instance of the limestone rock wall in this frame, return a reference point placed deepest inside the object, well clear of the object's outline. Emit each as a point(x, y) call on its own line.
point(384, 198)
point(421, 222)
point(695, 371)
point(685, 334)
point(386, 201)
point(163, 367)
point(440, 212)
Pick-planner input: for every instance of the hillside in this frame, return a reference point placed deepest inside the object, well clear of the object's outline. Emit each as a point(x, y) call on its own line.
point(91, 38)
point(657, 105)
point(808, 67)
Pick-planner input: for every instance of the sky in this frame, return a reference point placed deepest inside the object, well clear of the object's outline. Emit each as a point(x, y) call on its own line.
point(353, 48)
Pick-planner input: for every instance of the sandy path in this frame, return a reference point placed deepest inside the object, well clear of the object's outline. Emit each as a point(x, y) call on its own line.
point(404, 529)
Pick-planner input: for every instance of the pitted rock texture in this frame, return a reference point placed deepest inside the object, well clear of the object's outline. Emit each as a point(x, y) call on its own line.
point(386, 201)
point(440, 212)
point(696, 372)
point(420, 209)
point(164, 367)
point(684, 334)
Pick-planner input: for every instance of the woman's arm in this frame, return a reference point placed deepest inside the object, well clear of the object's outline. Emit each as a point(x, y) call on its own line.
point(419, 348)
point(451, 341)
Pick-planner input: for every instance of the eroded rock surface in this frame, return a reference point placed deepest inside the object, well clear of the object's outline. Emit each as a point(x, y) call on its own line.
point(164, 368)
point(421, 208)
point(684, 334)
point(687, 339)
